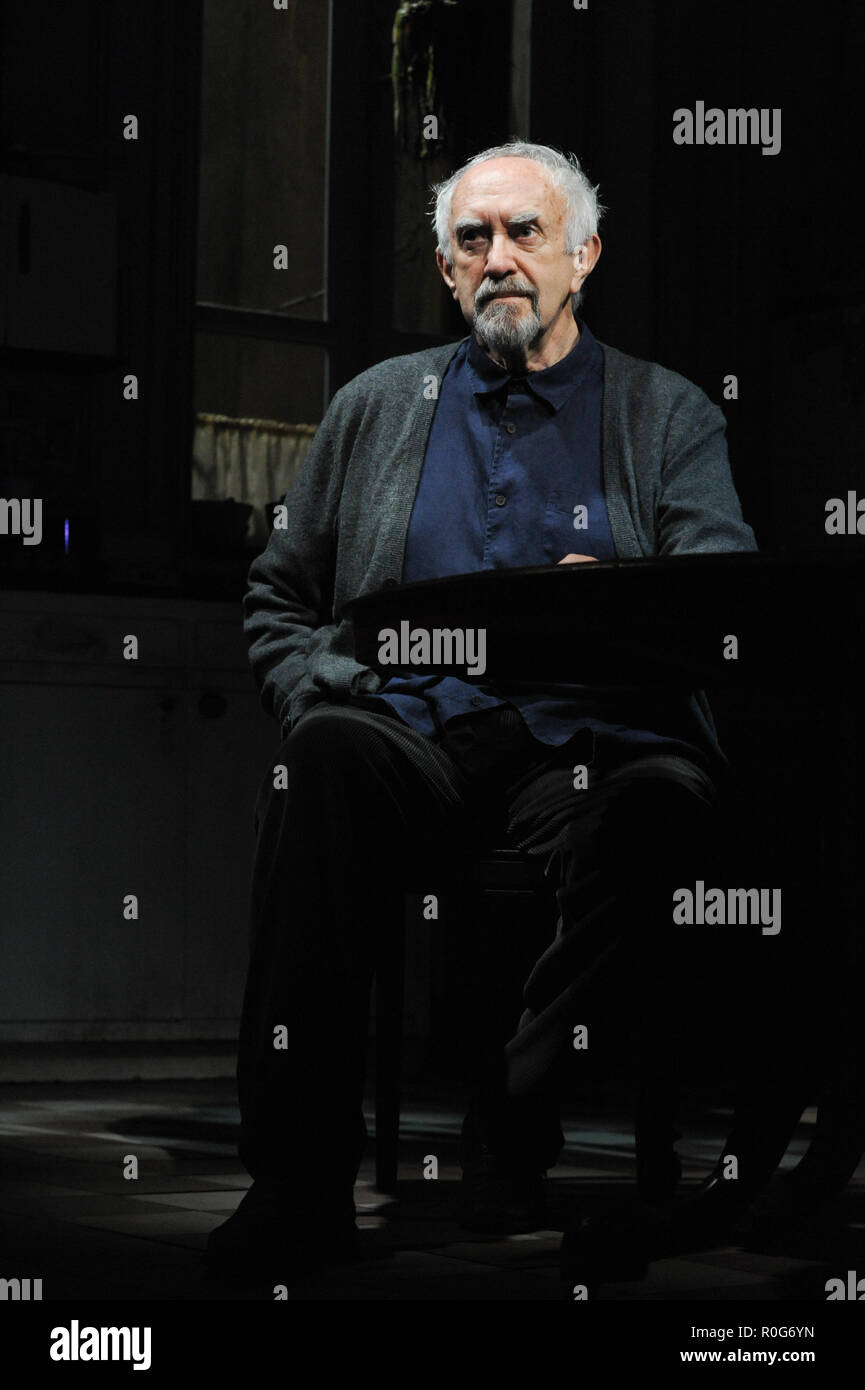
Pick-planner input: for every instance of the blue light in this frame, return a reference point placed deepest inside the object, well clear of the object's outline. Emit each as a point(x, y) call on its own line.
point(66, 536)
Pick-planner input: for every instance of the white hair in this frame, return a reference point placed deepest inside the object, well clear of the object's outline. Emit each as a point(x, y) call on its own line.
point(583, 209)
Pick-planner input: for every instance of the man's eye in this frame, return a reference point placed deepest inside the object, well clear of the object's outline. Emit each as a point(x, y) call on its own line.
point(523, 233)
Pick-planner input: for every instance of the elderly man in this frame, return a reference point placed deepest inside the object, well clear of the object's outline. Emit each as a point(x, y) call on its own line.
point(532, 419)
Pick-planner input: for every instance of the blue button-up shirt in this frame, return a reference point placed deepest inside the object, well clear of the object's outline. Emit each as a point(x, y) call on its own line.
point(512, 477)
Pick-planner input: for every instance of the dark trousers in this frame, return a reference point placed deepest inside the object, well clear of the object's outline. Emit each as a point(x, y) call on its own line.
point(369, 807)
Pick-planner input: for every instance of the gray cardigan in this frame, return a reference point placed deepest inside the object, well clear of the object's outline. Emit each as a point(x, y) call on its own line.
point(667, 487)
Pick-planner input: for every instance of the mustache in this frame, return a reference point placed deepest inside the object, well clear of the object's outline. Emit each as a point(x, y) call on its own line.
point(490, 289)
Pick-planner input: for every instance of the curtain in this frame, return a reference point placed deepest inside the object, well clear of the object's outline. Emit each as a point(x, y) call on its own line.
point(253, 461)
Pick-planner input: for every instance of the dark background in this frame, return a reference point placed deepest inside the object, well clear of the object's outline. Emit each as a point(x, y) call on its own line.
point(716, 260)
point(154, 257)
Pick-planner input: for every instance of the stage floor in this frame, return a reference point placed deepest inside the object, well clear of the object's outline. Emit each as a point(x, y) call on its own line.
point(70, 1218)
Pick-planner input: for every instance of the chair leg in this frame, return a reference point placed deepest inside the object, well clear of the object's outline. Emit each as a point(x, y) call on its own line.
point(388, 1062)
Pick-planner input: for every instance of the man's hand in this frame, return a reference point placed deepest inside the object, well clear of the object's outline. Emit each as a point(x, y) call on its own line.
point(575, 559)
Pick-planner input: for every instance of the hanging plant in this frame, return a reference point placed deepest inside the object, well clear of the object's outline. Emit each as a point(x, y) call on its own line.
point(420, 30)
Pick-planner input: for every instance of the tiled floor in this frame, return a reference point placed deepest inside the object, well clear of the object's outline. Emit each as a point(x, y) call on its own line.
point(70, 1217)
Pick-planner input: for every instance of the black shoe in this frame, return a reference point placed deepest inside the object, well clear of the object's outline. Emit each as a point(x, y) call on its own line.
point(797, 1218)
point(609, 1248)
point(269, 1237)
point(499, 1199)
point(704, 1221)
point(621, 1244)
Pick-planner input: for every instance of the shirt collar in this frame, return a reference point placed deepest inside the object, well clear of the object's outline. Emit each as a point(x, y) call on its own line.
point(554, 384)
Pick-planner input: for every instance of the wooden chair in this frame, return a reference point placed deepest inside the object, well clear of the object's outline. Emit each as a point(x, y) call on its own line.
point(501, 873)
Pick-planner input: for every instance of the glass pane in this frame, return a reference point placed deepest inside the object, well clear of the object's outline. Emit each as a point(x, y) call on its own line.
point(260, 378)
point(421, 302)
point(263, 172)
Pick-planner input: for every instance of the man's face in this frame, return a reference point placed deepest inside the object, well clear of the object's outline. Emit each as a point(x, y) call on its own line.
point(509, 270)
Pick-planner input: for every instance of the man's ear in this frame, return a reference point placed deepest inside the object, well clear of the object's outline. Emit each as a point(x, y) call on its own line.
point(445, 271)
point(584, 261)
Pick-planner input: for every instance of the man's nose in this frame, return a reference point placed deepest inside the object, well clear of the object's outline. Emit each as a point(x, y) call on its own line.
point(500, 259)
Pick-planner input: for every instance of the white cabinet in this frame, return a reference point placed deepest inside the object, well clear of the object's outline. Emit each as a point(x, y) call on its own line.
point(125, 777)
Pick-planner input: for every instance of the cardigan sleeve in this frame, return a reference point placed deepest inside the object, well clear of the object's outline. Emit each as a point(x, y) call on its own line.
point(288, 605)
point(697, 507)
point(301, 650)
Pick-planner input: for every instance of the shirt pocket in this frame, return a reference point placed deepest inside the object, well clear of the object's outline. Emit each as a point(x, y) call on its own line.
point(559, 535)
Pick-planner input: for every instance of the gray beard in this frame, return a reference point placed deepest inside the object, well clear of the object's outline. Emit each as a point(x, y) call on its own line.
point(502, 328)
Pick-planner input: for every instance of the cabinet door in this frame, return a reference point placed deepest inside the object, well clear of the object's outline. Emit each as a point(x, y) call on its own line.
point(60, 256)
point(93, 809)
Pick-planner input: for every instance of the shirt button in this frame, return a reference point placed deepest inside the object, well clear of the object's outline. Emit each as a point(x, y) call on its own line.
point(500, 499)
point(476, 700)
point(511, 427)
